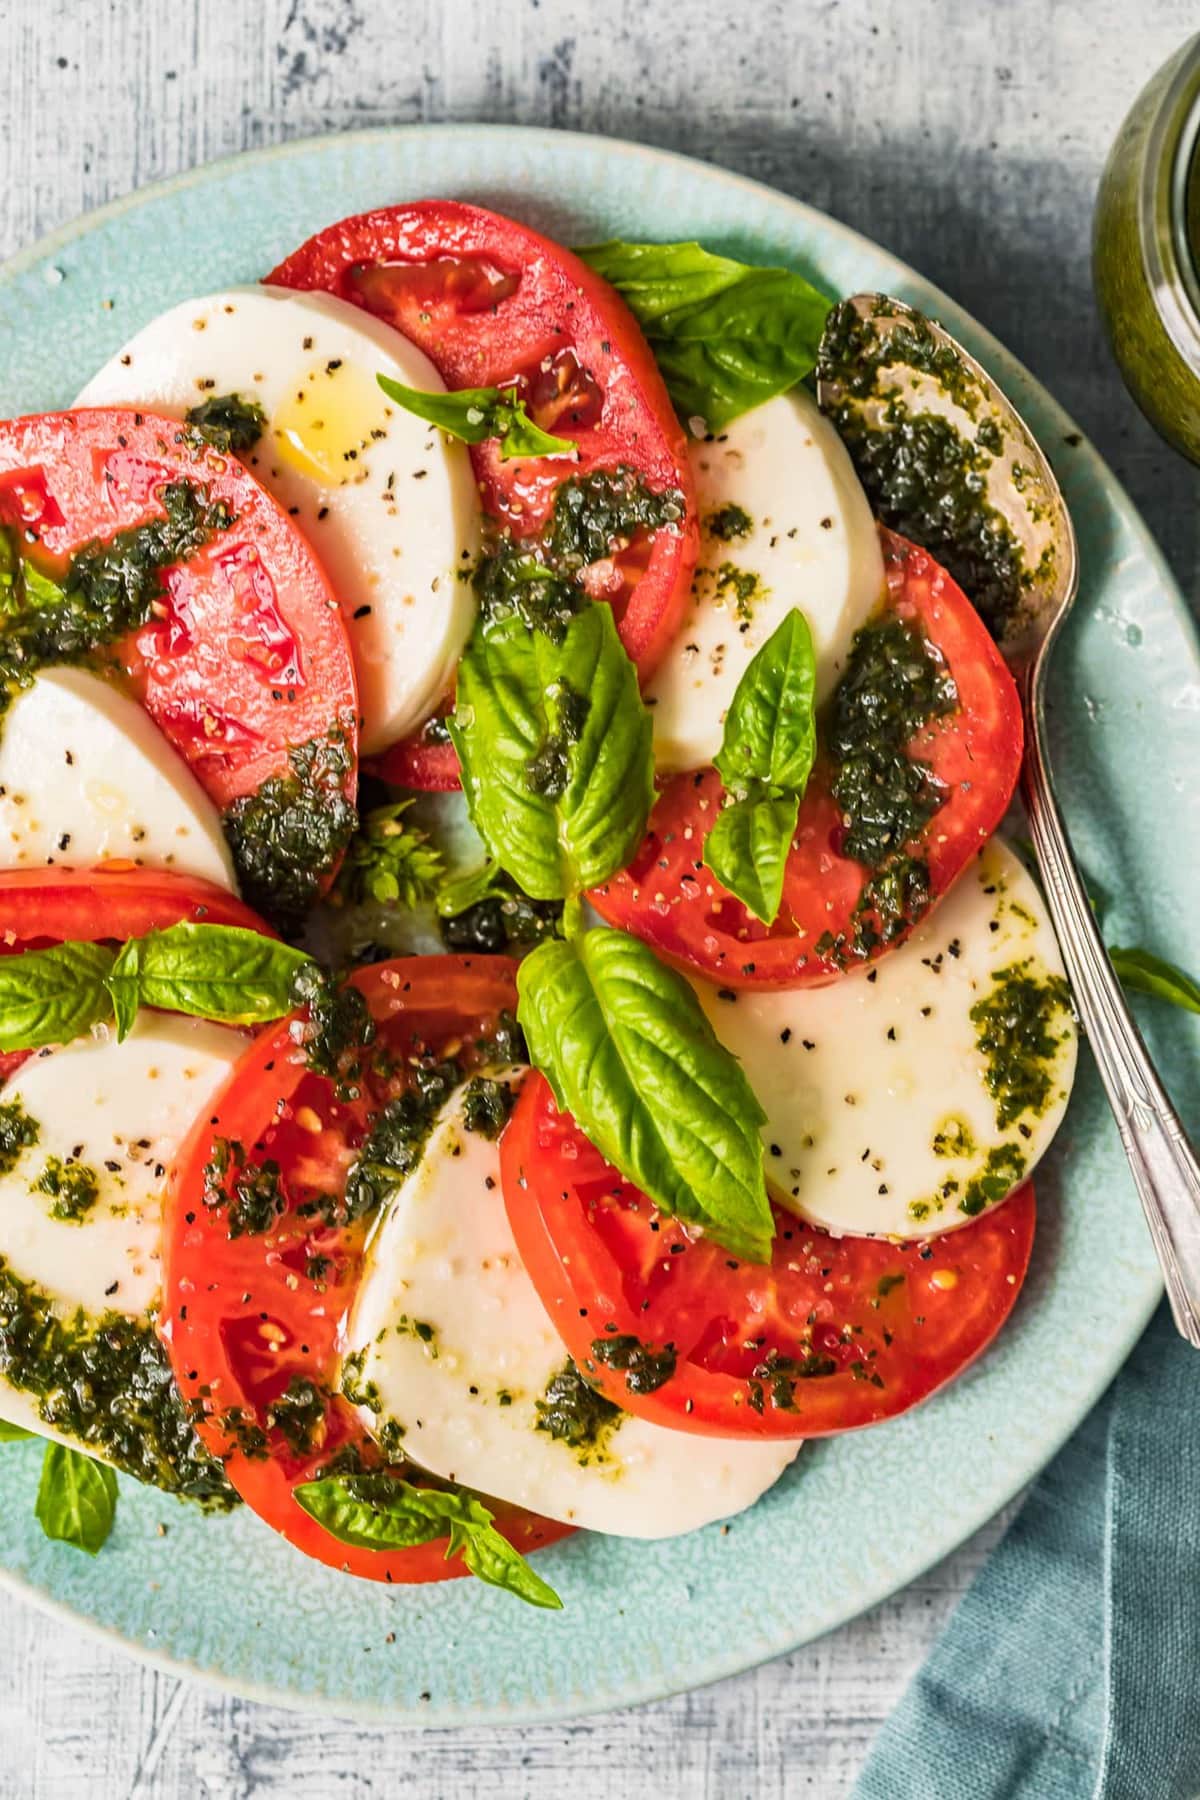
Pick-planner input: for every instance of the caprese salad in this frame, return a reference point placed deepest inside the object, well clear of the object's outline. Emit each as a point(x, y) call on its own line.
point(634, 1067)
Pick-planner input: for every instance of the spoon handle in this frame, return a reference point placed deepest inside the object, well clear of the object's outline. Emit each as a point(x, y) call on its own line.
point(1164, 1166)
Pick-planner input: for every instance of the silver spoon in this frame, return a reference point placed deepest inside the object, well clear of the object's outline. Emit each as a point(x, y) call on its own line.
point(884, 367)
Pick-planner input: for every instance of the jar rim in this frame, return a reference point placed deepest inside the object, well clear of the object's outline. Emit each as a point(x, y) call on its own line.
point(1170, 171)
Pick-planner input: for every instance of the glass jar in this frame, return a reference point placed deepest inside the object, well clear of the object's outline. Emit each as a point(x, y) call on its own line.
point(1146, 250)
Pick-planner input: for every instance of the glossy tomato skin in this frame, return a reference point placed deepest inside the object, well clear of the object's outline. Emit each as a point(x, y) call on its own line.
point(492, 302)
point(244, 1316)
point(115, 899)
point(833, 1335)
point(671, 900)
point(247, 655)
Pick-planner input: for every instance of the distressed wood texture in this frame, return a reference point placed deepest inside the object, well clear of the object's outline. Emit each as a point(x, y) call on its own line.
point(966, 138)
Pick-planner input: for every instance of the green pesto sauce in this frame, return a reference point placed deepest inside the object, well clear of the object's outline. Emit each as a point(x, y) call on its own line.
point(546, 771)
point(924, 477)
point(108, 591)
point(894, 686)
point(17, 1132)
point(74, 1188)
point(776, 1376)
point(742, 586)
point(954, 1139)
point(339, 1025)
point(645, 1370)
point(106, 1382)
point(250, 1194)
point(729, 522)
point(1003, 1167)
point(298, 1414)
point(505, 918)
point(285, 837)
point(398, 1137)
point(1018, 1027)
point(226, 422)
point(593, 517)
point(573, 1413)
point(487, 1105)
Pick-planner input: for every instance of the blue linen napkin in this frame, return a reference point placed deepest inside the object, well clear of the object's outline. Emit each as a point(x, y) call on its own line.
point(1071, 1670)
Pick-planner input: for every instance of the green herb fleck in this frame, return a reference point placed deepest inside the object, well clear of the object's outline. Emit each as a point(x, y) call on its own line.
point(299, 1414)
point(17, 1132)
point(74, 1188)
point(486, 1105)
point(227, 423)
point(729, 522)
point(645, 1370)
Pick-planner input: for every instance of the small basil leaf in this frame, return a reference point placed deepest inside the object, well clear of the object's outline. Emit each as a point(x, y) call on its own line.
point(475, 414)
point(458, 892)
point(554, 744)
point(124, 987)
point(76, 1499)
point(770, 733)
point(628, 1051)
point(12, 1434)
point(747, 850)
point(221, 972)
point(1145, 973)
point(379, 1511)
point(726, 335)
point(52, 996)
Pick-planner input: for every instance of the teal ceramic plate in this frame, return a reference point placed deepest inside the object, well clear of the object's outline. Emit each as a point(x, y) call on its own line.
point(855, 1519)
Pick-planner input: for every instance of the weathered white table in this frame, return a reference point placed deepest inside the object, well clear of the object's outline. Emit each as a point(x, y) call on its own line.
point(966, 138)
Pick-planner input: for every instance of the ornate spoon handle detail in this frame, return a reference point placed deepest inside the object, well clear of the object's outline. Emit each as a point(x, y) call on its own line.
point(1165, 1169)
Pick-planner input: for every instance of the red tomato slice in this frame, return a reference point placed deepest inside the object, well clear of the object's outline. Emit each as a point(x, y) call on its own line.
point(244, 1316)
point(114, 900)
point(247, 656)
point(834, 1334)
point(670, 899)
point(493, 303)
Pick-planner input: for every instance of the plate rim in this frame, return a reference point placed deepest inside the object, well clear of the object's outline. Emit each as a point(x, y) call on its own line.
point(654, 1688)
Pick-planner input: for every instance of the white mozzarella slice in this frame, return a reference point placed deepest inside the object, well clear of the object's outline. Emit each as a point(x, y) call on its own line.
point(85, 774)
point(388, 503)
point(118, 1112)
point(785, 524)
point(449, 1340)
point(879, 1117)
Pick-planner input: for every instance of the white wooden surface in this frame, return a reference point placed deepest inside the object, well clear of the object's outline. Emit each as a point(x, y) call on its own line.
point(968, 138)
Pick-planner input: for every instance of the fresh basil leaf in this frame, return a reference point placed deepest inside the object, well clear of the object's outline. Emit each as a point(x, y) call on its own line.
point(52, 996)
point(766, 756)
point(726, 335)
point(379, 1511)
point(770, 733)
point(554, 744)
point(22, 583)
point(76, 1499)
point(12, 1434)
point(747, 850)
point(1145, 973)
point(475, 414)
point(458, 892)
point(221, 972)
point(628, 1051)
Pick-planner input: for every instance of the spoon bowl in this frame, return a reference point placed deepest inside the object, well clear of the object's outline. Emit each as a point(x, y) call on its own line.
point(948, 461)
